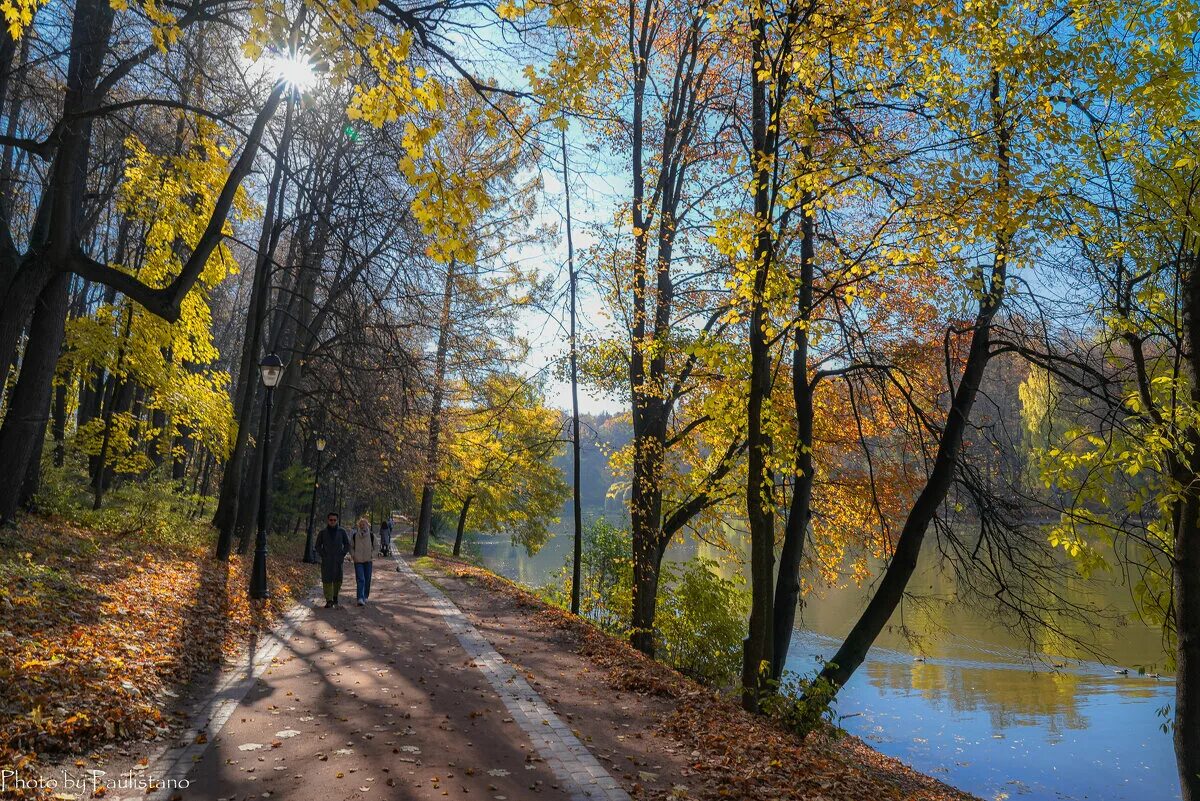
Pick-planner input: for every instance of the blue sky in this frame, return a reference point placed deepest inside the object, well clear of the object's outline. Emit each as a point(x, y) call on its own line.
point(595, 188)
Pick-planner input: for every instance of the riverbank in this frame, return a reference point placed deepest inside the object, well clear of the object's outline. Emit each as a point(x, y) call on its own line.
point(955, 695)
point(103, 635)
point(695, 743)
point(108, 641)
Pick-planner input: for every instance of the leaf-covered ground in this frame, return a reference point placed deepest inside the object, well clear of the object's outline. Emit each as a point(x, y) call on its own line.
point(98, 632)
point(739, 756)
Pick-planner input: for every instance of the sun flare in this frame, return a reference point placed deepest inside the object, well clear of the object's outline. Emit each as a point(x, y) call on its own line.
point(294, 70)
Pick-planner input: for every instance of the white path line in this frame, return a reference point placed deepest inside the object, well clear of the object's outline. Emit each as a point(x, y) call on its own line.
point(171, 764)
point(576, 768)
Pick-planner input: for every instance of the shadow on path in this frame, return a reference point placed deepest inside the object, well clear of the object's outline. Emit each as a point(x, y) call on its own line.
point(372, 702)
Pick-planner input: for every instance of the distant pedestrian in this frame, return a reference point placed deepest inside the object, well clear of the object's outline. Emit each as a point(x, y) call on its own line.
point(333, 543)
point(385, 537)
point(362, 551)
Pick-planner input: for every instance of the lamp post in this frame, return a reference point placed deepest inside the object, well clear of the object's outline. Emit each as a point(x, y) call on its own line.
point(272, 370)
point(309, 556)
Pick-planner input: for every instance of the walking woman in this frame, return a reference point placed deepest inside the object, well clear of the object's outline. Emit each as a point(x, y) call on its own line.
point(362, 551)
point(385, 537)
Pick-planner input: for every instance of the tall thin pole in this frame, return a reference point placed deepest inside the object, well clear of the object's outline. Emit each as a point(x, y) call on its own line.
point(577, 560)
point(310, 555)
point(258, 576)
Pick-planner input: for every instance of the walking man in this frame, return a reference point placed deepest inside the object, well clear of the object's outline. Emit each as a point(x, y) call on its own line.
point(333, 543)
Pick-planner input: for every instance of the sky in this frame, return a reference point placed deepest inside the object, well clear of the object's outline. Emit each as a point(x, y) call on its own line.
point(593, 193)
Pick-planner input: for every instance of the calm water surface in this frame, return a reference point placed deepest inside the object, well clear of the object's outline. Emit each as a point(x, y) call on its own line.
point(977, 713)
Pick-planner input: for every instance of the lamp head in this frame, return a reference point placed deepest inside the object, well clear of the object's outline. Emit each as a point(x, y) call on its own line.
point(271, 368)
point(320, 443)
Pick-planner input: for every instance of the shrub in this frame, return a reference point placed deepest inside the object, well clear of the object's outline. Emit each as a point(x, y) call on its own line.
point(291, 497)
point(606, 596)
point(701, 616)
point(62, 490)
point(802, 705)
point(155, 508)
point(701, 621)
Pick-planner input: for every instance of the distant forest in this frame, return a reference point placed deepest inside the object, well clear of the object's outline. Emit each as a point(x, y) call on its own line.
point(601, 435)
point(998, 445)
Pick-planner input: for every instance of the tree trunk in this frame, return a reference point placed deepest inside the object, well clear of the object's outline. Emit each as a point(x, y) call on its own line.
point(1186, 569)
point(59, 428)
point(645, 518)
point(757, 648)
point(55, 232)
point(904, 561)
point(226, 515)
point(462, 525)
point(179, 462)
point(40, 283)
point(295, 341)
point(200, 489)
point(8, 164)
point(294, 336)
point(159, 446)
point(33, 478)
point(425, 522)
point(20, 299)
point(92, 392)
point(28, 411)
point(122, 398)
point(577, 543)
point(118, 394)
point(1186, 578)
point(787, 587)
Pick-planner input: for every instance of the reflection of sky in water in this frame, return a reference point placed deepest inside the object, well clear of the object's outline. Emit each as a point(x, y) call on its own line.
point(994, 727)
point(975, 715)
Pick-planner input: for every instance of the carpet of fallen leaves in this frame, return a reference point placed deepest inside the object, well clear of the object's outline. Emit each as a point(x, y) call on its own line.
point(742, 756)
point(99, 634)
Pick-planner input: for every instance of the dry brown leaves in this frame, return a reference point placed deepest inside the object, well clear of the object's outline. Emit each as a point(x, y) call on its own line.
point(740, 755)
point(96, 633)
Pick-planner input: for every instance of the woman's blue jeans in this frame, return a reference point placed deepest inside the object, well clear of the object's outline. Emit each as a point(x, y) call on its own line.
point(362, 577)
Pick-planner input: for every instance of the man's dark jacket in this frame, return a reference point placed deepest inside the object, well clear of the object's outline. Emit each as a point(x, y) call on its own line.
point(333, 543)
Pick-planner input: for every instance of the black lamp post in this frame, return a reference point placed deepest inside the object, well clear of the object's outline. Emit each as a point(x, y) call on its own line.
point(309, 555)
point(272, 370)
point(337, 493)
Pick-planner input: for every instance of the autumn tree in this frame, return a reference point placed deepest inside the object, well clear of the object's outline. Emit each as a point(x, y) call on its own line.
point(1000, 102)
point(481, 287)
point(498, 474)
point(662, 64)
point(1113, 392)
point(109, 79)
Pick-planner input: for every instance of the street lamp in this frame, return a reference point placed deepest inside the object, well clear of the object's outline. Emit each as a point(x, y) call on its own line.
point(272, 370)
point(309, 555)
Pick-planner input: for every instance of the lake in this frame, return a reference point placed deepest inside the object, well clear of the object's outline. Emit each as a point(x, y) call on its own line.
point(979, 713)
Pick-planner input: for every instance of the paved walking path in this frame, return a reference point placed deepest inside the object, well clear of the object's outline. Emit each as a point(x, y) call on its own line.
point(401, 699)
